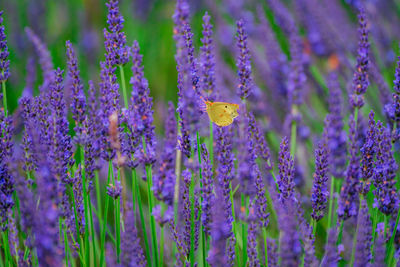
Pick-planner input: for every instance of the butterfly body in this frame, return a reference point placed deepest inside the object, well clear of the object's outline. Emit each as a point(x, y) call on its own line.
point(221, 113)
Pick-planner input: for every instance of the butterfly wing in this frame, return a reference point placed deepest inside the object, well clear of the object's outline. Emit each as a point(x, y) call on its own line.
point(221, 113)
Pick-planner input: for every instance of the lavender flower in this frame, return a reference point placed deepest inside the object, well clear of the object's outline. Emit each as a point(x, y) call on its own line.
point(114, 191)
point(252, 237)
point(368, 151)
point(6, 178)
point(297, 77)
point(117, 51)
point(180, 17)
point(30, 157)
point(185, 213)
point(45, 60)
point(348, 199)
point(181, 247)
point(4, 62)
point(364, 237)
point(61, 148)
point(243, 63)
point(331, 257)
point(320, 193)
point(334, 129)
point(380, 248)
point(132, 252)
point(30, 77)
point(207, 190)
point(78, 195)
point(164, 180)
point(285, 179)
point(393, 109)
point(142, 108)
point(384, 178)
point(360, 79)
point(207, 60)
point(78, 104)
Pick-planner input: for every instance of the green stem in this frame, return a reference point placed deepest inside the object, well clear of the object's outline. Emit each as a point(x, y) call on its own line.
point(99, 210)
point(331, 202)
point(66, 247)
point(293, 133)
point(244, 229)
point(117, 219)
point(192, 220)
point(264, 230)
point(390, 244)
point(143, 223)
point(162, 245)
point(374, 223)
point(3, 85)
point(203, 247)
point(124, 92)
point(339, 239)
point(152, 220)
point(103, 233)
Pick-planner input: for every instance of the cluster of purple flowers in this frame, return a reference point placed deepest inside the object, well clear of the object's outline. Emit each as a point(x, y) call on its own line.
point(219, 195)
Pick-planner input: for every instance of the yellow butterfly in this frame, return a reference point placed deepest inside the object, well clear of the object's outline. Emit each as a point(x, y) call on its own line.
point(221, 113)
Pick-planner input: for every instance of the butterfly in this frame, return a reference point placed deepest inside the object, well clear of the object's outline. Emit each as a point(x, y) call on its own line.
point(221, 113)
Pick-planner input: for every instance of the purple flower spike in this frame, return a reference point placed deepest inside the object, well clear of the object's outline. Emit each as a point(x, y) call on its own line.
point(141, 108)
point(4, 62)
point(116, 49)
point(207, 60)
point(78, 104)
point(297, 77)
point(384, 179)
point(78, 195)
point(164, 180)
point(114, 191)
point(207, 190)
point(368, 151)
point(286, 172)
point(45, 60)
point(348, 199)
point(360, 79)
point(185, 212)
point(30, 157)
point(320, 193)
point(334, 129)
point(331, 257)
point(252, 237)
point(243, 63)
point(61, 148)
point(364, 237)
point(380, 246)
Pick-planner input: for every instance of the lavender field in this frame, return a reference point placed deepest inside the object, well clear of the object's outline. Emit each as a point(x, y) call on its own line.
point(199, 133)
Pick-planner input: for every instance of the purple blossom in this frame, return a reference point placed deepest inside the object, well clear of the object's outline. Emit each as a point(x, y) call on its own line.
point(320, 193)
point(285, 179)
point(141, 109)
point(334, 129)
point(116, 49)
point(114, 191)
point(360, 79)
point(61, 148)
point(181, 247)
point(30, 77)
point(45, 60)
point(207, 190)
point(79, 203)
point(186, 211)
point(243, 63)
point(207, 61)
point(379, 246)
point(132, 252)
point(4, 62)
point(164, 180)
point(78, 104)
point(393, 107)
point(252, 237)
point(368, 151)
point(272, 253)
point(331, 257)
point(30, 157)
point(348, 199)
point(364, 237)
point(297, 77)
point(384, 178)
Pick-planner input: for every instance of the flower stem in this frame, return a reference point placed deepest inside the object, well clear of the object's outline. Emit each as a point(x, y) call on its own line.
point(152, 220)
point(103, 233)
point(244, 230)
point(293, 133)
point(332, 191)
point(264, 230)
point(374, 223)
point(117, 219)
point(211, 144)
point(124, 92)
point(390, 244)
point(135, 189)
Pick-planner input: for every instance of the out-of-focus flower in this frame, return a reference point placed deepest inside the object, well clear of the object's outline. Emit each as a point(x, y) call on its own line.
point(164, 180)
point(384, 179)
point(185, 211)
point(61, 147)
point(30, 77)
point(368, 151)
point(364, 237)
point(4, 62)
point(252, 237)
point(360, 79)
point(132, 252)
point(114, 191)
point(320, 194)
point(379, 246)
point(207, 190)
point(285, 179)
point(243, 62)
point(207, 61)
point(331, 257)
point(30, 157)
point(79, 203)
point(272, 253)
point(297, 77)
point(348, 199)
point(78, 104)
point(334, 129)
